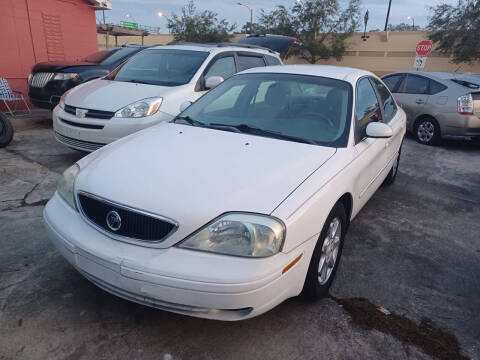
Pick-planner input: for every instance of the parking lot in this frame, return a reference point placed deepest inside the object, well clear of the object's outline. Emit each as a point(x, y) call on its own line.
point(413, 249)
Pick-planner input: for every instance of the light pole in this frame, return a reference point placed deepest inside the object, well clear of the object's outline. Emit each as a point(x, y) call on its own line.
point(251, 16)
point(413, 20)
point(160, 15)
point(388, 15)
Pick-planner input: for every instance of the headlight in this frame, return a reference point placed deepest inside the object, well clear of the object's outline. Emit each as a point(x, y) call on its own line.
point(145, 107)
point(65, 185)
point(65, 76)
point(239, 234)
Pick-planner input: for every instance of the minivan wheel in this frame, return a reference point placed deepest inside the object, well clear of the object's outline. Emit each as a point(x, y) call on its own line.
point(6, 131)
point(427, 131)
point(326, 255)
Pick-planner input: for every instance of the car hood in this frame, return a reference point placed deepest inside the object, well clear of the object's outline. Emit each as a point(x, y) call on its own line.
point(111, 95)
point(55, 66)
point(192, 175)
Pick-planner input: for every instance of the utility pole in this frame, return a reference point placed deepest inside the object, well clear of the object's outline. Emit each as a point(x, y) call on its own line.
point(388, 14)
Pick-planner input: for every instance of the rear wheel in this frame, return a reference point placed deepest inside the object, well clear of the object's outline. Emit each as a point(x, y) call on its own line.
point(326, 255)
point(427, 131)
point(6, 131)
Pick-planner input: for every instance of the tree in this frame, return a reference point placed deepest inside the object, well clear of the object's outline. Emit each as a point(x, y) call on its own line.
point(199, 26)
point(402, 27)
point(454, 29)
point(321, 26)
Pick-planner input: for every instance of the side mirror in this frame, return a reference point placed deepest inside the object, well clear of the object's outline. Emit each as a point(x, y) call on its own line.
point(379, 130)
point(213, 81)
point(185, 105)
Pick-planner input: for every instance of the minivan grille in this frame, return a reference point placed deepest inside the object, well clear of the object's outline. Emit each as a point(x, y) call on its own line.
point(134, 224)
point(41, 79)
point(78, 144)
point(97, 114)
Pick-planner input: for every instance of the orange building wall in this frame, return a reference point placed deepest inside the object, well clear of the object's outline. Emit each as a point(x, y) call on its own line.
point(33, 31)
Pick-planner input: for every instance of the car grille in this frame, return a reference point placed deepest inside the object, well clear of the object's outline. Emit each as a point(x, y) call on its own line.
point(135, 224)
point(81, 125)
point(97, 114)
point(84, 145)
point(41, 79)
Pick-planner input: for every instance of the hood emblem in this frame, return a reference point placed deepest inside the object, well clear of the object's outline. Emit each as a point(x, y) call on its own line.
point(80, 113)
point(114, 221)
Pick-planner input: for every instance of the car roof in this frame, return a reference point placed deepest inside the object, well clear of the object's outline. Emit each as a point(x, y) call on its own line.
point(217, 47)
point(334, 72)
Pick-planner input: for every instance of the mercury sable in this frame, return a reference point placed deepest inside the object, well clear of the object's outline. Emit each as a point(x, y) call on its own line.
point(240, 202)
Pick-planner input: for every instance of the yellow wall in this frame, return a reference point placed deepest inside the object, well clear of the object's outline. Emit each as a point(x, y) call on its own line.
point(381, 53)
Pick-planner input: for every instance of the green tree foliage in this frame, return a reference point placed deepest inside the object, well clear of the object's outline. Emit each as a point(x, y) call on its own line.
point(199, 26)
point(455, 30)
point(321, 26)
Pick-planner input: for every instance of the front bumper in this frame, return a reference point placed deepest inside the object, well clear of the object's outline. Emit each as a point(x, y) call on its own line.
point(173, 279)
point(47, 97)
point(89, 134)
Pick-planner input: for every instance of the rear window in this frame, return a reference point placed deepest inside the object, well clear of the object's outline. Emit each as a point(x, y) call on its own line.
point(467, 84)
point(248, 62)
point(271, 60)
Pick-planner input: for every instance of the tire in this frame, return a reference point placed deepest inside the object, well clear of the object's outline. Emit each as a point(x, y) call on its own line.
point(392, 175)
point(317, 283)
point(6, 131)
point(427, 131)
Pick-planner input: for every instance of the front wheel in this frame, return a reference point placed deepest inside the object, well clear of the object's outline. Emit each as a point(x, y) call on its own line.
point(6, 131)
point(326, 255)
point(427, 131)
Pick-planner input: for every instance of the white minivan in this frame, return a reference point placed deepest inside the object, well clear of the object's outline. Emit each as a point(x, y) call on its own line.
point(148, 89)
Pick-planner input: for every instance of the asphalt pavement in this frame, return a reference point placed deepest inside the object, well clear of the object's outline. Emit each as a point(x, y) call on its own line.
point(414, 249)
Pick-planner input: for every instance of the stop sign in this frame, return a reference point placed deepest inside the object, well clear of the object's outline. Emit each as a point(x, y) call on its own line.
point(424, 48)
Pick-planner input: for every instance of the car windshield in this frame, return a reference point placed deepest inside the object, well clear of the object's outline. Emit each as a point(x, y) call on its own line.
point(166, 67)
point(108, 57)
point(309, 109)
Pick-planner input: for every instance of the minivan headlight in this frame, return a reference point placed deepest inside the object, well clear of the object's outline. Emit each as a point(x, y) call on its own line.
point(66, 183)
point(61, 103)
point(142, 108)
point(65, 76)
point(239, 234)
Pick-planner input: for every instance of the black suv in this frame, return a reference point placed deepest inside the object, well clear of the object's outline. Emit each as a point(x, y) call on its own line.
point(49, 80)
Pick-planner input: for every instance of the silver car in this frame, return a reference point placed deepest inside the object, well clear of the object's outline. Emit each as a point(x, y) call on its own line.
point(437, 103)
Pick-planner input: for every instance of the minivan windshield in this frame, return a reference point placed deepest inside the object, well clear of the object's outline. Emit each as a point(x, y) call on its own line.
point(166, 67)
point(301, 108)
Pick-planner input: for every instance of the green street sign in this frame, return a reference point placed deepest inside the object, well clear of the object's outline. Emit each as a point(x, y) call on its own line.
point(129, 24)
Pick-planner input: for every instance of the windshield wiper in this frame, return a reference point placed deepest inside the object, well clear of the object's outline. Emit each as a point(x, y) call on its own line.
point(244, 128)
point(189, 120)
point(138, 82)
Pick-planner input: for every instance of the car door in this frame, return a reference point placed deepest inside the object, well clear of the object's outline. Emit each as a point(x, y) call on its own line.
point(392, 117)
point(371, 157)
point(412, 94)
point(221, 65)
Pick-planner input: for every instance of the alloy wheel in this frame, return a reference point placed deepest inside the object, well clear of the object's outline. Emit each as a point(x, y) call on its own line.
point(426, 131)
point(330, 248)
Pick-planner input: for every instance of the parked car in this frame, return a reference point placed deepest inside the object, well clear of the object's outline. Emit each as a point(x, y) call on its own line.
point(148, 89)
point(437, 103)
point(6, 130)
point(278, 43)
point(50, 80)
point(239, 203)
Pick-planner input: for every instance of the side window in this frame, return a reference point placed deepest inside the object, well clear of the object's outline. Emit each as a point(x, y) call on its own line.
point(247, 62)
point(271, 60)
point(224, 67)
point(414, 85)
point(367, 108)
point(436, 87)
point(387, 103)
point(392, 81)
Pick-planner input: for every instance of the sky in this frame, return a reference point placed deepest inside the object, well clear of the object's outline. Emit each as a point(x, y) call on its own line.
point(145, 11)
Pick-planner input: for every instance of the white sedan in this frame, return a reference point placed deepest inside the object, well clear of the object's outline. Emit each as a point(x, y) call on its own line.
point(240, 202)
